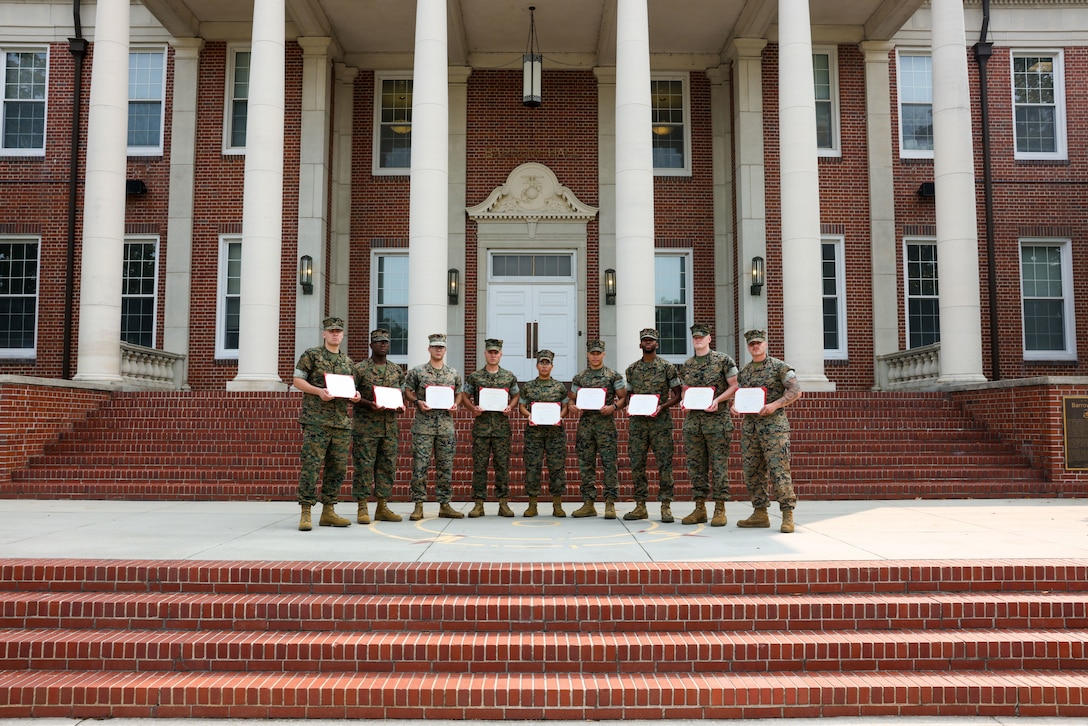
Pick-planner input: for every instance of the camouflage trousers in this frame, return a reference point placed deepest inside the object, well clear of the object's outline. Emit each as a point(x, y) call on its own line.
point(642, 437)
point(374, 459)
point(767, 453)
point(441, 446)
point(548, 442)
point(328, 447)
point(486, 449)
point(707, 440)
point(597, 436)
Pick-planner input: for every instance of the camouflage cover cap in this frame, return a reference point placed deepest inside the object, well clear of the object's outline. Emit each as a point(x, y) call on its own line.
point(595, 346)
point(545, 355)
point(333, 323)
point(648, 333)
point(436, 340)
point(492, 344)
point(379, 335)
point(699, 330)
point(754, 335)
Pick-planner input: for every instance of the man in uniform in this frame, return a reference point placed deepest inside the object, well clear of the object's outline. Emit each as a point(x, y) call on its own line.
point(651, 375)
point(765, 436)
point(597, 432)
point(490, 429)
point(432, 430)
point(326, 426)
point(545, 441)
point(708, 433)
point(375, 433)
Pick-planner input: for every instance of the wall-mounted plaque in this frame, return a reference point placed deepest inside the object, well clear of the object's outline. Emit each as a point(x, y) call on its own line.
point(1075, 431)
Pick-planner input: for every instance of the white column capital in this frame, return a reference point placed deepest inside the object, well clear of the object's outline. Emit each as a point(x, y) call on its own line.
point(745, 48)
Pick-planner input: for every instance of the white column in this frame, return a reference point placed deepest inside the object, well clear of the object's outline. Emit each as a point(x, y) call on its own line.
point(179, 219)
point(428, 231)
point(313, 190)
point(456, 345)
point(954, 179)
point(802, 301)
point(340, 211)
point(262, 206)
point(606, 216)
point(634, 179)
point(99, 349)
point(725, 278)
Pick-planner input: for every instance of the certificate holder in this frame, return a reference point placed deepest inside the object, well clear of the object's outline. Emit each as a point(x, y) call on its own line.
point(590, 399)
point(387, 397)
point(642, 404)
point(440, 397)
point(749, 400)
point(494, 399)
point(698, 398)
point(545, 414)
point(339, 385)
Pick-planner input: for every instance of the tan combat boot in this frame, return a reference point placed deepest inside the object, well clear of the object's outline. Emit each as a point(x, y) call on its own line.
point(639, 512)
point(698, 515)
point(759, 519)
point(304, 523)
point(787, 521)
point(530, 511)
point(666, 513)
point(588, 509)
point(609, 508)
point(329, 517)
point(557, 507)
point(477, 511)
point(417, 513)
point(363, 516)
point(719, 514)
point(504, 508)
point(383, 513)
point(448, 512)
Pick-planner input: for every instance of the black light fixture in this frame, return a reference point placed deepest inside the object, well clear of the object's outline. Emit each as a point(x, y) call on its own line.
point(927, 190)
point(609, 287)
point(135, 187)
point(531, 64)
point(306, 274)
point(759, 275)
point(453, 286)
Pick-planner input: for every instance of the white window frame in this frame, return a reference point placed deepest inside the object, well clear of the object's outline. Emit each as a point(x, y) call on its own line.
point(839, 243)
point(687, 255)
point(907, 297)
point(31, 352)
point(222, 352)
point(154, 240)
point(832, 53)
point(1061, 151)
point(1065, 247)
point(374, 255)
point(229, 99)
point(905, 153)
point(377, 168)
point(156, 149)
point(685, 170)
point(32, 151)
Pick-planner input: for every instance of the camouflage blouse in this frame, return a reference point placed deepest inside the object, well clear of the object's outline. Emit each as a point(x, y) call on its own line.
point(490, 423)
point(657, 376)
point(604, 377)
point(312, 367)
point(711, 370)
point(367, 375)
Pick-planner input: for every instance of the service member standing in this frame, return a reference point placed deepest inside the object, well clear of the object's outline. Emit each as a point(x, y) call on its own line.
point(597, 432)
point(545, 441)
point(708, 433)
point(432, 430)
point(765, 436)
point(326, 426)
point(375, 433)
point(651, 375)
point(491, 429)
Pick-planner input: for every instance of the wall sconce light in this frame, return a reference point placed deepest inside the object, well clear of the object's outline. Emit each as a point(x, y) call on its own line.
point(610, 287)
point(453, 286)
point(927, 190)
point(759, 275)
point(306, 274)
point(531, 63)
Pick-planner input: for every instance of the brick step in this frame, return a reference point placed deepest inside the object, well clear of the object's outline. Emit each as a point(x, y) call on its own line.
point(127, 694)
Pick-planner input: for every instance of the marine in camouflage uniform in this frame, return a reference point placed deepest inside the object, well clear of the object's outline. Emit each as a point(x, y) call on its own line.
point(432, 430)
point(597, 432)
point(542, 442)
point(765, 437)
point(708, 434)
point(375, 432)
point(652, 375)
point(490, 429)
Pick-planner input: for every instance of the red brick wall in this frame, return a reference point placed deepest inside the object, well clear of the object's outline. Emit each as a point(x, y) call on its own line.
point(32, 416)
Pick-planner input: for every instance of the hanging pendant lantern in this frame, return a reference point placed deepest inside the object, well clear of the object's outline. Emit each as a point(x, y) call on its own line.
point(531, 63)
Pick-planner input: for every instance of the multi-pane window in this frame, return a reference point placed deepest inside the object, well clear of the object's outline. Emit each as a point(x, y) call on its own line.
point(1038, 106)
point(391, 302)
point(825, 81)
point(923, 302)
point(669, 114)
point(1045, 282)
point(146, 88)
point(22, 124)
point(238, 100)
point(394, 126)
point(915, 84)
point(672, 304)
point(834, 298)
point(18, 297)
point(138, 285)
point(229, 298)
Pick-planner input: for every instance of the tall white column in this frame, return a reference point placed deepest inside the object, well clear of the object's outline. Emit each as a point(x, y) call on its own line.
point(99, 349)
point(340, 207)
point(634, 179)
point(456, 345)
point(262, 206)
point(954, 180)
point(428, 230)
point(802, 300)
point(606, 216)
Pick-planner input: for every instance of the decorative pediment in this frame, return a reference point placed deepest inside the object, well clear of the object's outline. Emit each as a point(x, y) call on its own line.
point(532, 193)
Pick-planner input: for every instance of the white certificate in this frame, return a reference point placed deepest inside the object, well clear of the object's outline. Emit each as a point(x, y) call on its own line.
point(590, 399)
point(440, 398)
point(494, 399)
point(340, 386)
point(545, 414)
point(387, 397)
point(749, 400)
point(642, 404)
point(698, 398)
